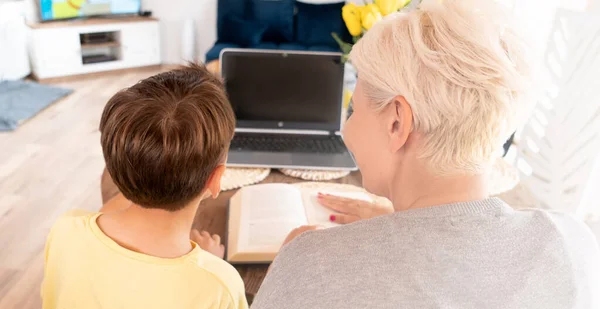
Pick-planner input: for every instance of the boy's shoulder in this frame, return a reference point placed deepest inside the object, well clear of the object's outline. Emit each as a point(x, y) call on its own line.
point(72, 219)
point(221, 271)
point(75, 215)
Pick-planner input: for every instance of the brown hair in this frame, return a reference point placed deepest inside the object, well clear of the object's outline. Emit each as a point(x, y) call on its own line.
point(164, 136)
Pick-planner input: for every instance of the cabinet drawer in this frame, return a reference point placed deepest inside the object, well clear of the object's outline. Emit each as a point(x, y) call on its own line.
point(140, 37)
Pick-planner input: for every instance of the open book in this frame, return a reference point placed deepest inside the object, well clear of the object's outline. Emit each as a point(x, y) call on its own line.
point(261, 217)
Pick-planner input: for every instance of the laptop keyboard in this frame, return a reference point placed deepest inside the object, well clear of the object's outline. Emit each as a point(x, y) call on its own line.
point(287, 143)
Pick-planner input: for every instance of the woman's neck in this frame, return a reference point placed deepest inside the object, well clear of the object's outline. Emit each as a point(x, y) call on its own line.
point(414, 187)
point(154, 232)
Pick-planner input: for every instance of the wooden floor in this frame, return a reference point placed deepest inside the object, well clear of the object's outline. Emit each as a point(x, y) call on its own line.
point(50, 164)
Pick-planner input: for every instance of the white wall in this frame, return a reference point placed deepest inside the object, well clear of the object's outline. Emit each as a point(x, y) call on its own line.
point(32, 13)
point(172, 15)
point(14, 62)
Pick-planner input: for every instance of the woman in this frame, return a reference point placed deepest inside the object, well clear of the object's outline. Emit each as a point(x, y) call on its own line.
point(439, 90)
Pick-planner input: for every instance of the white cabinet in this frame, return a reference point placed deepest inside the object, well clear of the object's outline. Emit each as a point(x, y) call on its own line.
point(61, 48)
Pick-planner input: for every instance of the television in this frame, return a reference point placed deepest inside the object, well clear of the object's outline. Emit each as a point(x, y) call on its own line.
point(66, 9)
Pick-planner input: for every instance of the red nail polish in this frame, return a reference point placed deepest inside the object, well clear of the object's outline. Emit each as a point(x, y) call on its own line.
point(332, 218)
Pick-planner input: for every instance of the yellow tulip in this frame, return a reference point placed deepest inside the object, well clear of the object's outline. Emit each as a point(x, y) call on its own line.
point(351, 15)
point(370, 14)
point(386, 6)
point(403, 3)
point(390, 6)
point(347, 97)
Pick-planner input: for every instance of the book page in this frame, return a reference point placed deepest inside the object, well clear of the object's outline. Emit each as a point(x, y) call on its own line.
point(269, 213)
point(318, 214)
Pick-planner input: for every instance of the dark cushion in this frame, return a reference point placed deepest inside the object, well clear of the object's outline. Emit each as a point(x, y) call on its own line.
point(316, 22)
point(292, 46)
point(266, 45)
point(215, 51)
point(231, 8)
point(242, 32)
point(278, 15)
point(324, 48)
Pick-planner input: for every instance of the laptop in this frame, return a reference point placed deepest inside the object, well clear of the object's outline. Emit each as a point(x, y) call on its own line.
point(288, 109)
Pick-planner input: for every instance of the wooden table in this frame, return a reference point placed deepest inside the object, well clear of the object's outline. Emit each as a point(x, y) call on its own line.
point(211, 216)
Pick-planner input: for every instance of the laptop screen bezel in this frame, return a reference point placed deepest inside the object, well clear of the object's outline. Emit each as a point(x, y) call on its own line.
point(256, 125)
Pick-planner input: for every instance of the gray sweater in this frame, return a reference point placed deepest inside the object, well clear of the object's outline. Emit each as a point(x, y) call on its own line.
point(479, 254)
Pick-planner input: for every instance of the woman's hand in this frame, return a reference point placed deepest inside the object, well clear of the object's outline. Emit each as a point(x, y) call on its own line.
point(208, 243)
point(351, 210)
point(297, 231)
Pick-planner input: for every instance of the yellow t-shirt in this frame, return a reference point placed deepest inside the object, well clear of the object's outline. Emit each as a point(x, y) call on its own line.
point(86, 269)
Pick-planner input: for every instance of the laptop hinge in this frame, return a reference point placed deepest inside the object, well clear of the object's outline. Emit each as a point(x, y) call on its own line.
point(282, 131)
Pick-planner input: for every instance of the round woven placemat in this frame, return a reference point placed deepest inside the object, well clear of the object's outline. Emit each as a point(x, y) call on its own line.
point(234, 178)
point(314, 175)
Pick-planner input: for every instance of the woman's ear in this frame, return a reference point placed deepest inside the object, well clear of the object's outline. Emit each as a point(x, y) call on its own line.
point(400, 124)
point(213, 185)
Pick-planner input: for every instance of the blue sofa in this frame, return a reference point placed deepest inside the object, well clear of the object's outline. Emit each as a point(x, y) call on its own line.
point(277, 24)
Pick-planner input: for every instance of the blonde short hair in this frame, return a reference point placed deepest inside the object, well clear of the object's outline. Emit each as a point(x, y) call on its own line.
point(462, 70)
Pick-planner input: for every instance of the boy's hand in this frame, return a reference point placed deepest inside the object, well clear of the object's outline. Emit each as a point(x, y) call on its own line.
point(208, 243)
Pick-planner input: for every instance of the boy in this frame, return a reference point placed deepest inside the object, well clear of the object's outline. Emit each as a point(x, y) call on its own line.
point(165, 142)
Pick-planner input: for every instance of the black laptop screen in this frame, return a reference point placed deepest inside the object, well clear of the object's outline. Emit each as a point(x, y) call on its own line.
point(284, 90)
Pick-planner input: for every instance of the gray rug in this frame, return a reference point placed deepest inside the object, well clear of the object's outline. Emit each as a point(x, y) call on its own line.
point(21, 100)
